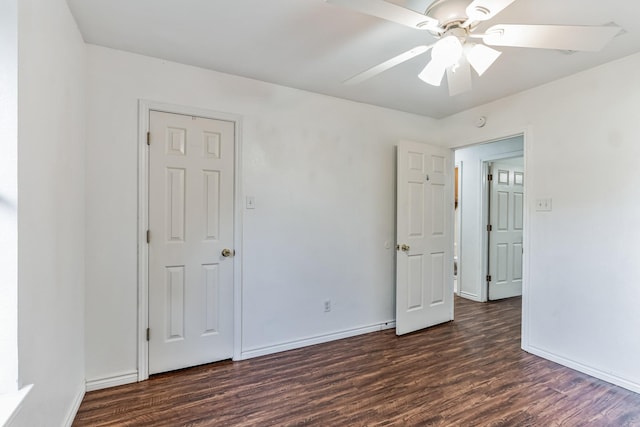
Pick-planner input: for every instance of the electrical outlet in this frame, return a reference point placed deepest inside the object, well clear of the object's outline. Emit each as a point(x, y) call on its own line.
point(327, 306)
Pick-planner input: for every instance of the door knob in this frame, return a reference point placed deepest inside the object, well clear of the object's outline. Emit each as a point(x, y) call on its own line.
point(228, 252)
point(405, 248)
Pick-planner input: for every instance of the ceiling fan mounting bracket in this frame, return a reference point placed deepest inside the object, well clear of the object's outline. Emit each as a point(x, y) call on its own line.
point(453, 30)
point(452, 18)
point(448, 12)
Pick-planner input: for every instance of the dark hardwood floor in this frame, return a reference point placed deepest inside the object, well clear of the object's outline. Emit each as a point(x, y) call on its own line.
point(470, 372)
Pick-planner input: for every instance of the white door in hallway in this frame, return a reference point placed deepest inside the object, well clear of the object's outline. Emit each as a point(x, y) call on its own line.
point(424, 256)
point(191, 193)
point(505, 238)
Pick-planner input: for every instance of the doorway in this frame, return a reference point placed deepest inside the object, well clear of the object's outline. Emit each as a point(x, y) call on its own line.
point(189, 274)
point(471, 216)
point(424, 289)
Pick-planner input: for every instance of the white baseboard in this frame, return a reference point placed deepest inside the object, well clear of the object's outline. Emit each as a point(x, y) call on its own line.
point(71, 415)
point(596, 373)
point(116, 380)
point(291, 345)
point(469, 296)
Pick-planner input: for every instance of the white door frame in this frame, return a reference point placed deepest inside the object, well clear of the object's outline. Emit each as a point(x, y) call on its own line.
point(144, 107)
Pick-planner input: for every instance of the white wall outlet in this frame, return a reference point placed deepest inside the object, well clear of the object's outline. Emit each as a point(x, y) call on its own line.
point(543, 205)
point(327, 306)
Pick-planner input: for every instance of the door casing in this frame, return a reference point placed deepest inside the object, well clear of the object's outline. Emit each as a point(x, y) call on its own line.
point(144, 107)
point(527, 136)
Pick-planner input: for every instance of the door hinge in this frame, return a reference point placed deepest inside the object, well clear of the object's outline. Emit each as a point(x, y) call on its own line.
point(148, 236)
point(488, 277)
point(148, 333)
point(490, 177)
point(489, 227)
point(148, 138)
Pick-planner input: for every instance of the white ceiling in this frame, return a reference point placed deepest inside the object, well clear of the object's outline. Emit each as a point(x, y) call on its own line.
point(313, 45)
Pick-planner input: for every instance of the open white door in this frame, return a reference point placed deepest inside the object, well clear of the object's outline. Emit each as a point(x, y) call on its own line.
point(424, 261)
point(506, 225)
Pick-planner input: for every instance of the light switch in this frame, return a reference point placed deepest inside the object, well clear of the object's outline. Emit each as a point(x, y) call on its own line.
point(543, 205)
point(250, 202)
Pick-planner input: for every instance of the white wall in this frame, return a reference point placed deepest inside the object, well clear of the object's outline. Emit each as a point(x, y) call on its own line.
point(322, 174)
point(321, 170)
point(582, 292)
point(51, 212)
point(471, 252)
point(8, 196)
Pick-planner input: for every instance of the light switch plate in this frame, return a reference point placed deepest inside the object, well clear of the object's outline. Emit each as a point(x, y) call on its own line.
point(543, 205)
point(250, 202)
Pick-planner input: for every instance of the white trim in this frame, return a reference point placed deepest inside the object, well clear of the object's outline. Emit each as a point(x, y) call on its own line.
point(9, 359)
point(467, 295)
point(483, 250)
point(71, 415)
point(526, 233)
point(144, 108)
point(320, 339)
point(457, 218)
point(10, 404)
point(452, 232)
point(473, 141)
point(238, 239)
point(143, 249)
point(112, 381)
point(596, 373)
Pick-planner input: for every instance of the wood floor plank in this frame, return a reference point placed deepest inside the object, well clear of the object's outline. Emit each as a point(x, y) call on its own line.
point(470, 372)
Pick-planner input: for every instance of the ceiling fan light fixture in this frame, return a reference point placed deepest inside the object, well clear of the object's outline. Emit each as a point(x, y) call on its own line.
point(433, 73)
point(447, 51)
point(481, 57)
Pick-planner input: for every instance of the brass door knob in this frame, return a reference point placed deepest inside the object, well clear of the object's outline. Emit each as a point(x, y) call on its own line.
point(405, 248)
point(228, 252)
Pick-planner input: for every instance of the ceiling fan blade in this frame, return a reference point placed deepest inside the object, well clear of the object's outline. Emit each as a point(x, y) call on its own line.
point(483, 10)
point(433, 73)
point(562, 37)
point(459, 77)
point(390, 12)
point(481, 57)
point(374, 71)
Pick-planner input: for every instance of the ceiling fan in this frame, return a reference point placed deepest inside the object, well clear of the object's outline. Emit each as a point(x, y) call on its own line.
point(459, 47)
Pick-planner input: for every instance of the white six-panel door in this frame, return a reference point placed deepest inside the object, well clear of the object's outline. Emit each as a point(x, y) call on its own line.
point(191, 186)
point(424, 266)
point(505, 238)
